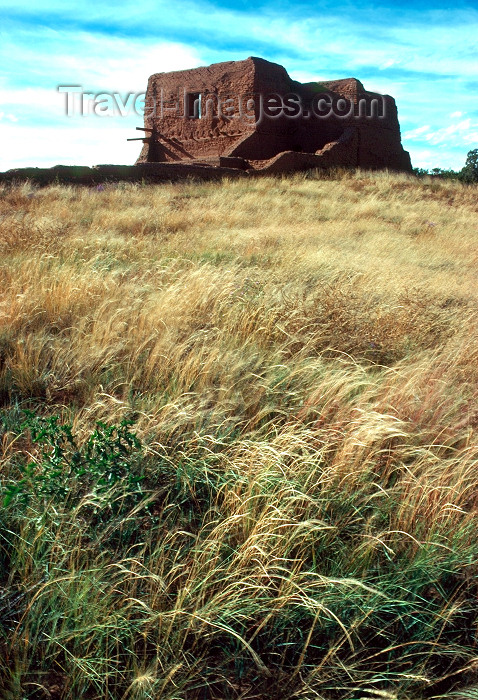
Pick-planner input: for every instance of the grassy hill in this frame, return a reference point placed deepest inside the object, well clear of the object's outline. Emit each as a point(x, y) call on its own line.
point(239, 447)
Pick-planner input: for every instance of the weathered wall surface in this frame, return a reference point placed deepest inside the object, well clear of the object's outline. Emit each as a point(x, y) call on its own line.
point(177, 137)
point(242, 128)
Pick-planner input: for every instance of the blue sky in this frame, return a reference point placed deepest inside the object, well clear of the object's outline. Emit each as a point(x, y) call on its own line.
point(424, 54)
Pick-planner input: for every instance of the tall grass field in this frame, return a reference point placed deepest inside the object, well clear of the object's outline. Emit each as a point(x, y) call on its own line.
point(239, 440)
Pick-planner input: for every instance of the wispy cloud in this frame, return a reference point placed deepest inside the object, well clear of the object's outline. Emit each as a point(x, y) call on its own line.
point(416, 133)
point(462, 133)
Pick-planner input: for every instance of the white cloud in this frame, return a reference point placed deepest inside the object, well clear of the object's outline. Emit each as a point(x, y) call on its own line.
point(44, 134)
point(10, 117)
point(472, 138)
point(32, 98)
point(454, 134)
point(88, 143)
point(96, 62)
point(415, 133)
point(427, 158)
point(388, 64)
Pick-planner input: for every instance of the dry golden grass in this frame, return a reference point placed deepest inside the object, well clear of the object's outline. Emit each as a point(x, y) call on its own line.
point(300, 357)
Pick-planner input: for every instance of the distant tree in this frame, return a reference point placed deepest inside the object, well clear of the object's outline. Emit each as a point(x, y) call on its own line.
point(470, 171)
point(437, 172)
point(444, 174)
point(420, 172)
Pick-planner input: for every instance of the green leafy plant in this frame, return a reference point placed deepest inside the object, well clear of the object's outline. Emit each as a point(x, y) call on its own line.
point(65, 469)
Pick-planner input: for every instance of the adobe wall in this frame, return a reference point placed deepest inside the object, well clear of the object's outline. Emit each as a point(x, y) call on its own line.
point(254, 135)
point(177, 138)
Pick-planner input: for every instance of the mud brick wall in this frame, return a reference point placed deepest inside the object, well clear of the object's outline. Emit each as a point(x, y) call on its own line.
point(184, 121)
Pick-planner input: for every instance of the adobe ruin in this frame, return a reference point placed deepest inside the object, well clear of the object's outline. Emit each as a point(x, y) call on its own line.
point(251, 115)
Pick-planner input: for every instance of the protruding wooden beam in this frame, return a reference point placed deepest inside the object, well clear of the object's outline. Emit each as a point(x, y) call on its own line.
point(141, 138)
point(143, 128)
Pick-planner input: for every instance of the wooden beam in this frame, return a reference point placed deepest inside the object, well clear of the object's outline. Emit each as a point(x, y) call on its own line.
point(141, 138)
point(142, 128)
